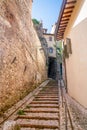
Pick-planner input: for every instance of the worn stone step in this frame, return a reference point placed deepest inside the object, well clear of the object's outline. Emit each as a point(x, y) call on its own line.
point(39, 126)
point(49, 90)
point(43, 102)
point(37, 129)
point(41, 111)
point(52, 90)
point(48, 93)
point(44, 106)
point(41, 114)
point(53, 86)
point(46, 99)
point(41, 96)
point(38, 122)
point(37, 117)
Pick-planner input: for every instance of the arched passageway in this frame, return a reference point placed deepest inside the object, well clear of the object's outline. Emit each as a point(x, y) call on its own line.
point(52, 67)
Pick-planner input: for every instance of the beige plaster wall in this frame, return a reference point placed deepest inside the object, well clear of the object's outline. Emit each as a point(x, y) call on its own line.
point(76, 64)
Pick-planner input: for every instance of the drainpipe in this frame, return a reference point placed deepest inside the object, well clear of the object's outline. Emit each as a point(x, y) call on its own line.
point(65, 75)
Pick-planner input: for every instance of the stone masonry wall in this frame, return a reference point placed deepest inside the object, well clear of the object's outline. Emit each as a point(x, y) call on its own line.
point(22, 64)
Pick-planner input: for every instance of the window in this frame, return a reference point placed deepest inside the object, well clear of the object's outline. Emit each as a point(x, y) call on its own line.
point(50, 50)
point(50, 38)
point(69, 46)
point(66, 54)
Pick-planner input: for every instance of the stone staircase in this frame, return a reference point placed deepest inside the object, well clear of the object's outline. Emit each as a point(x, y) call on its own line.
point(43, 112)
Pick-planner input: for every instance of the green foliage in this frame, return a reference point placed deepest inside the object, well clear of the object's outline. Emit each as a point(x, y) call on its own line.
point(35, 21)
point(20, 112)
point(59, 48)
point(59, 51)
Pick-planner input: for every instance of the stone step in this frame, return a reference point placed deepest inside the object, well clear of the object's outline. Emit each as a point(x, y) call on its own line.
point(43, 102)
point(44, 106)
point(39, 126)
point(45, 99)
point(53, 94)
point(55, 115)
point(37, 129)
point(48, 93)
point(38, 122)
point(43, 109)
point(40, 111)
point(37, 117)
point(48, 90)
point(41, 96)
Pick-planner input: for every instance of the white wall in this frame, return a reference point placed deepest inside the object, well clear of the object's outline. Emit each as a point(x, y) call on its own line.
point(76, 64)
point(82, 13)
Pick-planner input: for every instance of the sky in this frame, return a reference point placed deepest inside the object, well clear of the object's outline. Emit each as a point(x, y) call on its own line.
point(47, 11)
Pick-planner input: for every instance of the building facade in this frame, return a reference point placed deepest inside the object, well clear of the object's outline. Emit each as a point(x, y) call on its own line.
point(51, 44)
point(51, 47)
point(75, 30)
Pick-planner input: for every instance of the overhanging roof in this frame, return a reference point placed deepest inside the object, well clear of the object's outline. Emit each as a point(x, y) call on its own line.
point(64, 17)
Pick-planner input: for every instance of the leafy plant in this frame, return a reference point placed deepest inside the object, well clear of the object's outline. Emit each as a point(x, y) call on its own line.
point(20, 112)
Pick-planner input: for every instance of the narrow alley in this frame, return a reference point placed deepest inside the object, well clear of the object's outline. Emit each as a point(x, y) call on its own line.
point(43, 75)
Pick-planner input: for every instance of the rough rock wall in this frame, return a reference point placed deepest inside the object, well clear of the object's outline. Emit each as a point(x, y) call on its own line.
point(22, 64)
